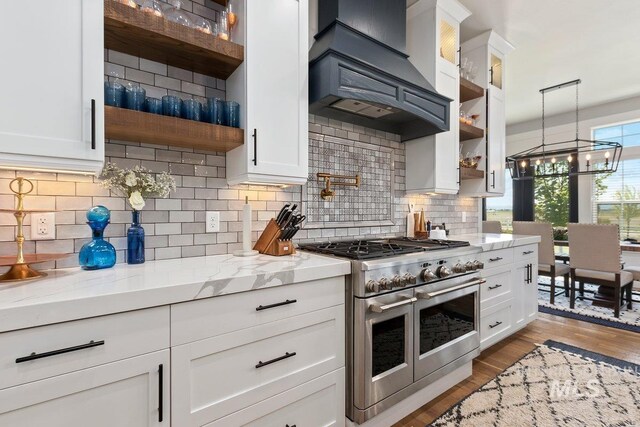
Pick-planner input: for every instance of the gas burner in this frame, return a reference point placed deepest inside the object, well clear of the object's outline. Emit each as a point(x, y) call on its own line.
point(361, 249)
point(429, 244)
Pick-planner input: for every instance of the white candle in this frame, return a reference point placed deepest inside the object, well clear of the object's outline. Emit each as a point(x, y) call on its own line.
point(246, 226)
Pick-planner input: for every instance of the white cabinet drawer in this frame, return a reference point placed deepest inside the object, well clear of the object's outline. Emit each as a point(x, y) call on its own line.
point(67, 347)
point(526, 252)
point(497, 258)
point(497, 288)
point(217, 376)
point(495, 324)
point(196, 320)
point(317, 403)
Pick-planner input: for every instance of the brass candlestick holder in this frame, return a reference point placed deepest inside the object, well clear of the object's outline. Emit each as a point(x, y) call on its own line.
point(19, 265)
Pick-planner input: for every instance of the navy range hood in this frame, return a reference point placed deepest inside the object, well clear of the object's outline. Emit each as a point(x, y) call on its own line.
point(359, 71)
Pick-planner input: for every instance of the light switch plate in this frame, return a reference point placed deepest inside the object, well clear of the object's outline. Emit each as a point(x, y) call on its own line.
point(43, 226)
point(212, 222)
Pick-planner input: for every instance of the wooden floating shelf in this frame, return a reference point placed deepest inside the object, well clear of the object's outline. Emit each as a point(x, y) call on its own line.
point(470, 173)
point(141, 34)
point(468, 132)
point(469, 90)
point(130, 125)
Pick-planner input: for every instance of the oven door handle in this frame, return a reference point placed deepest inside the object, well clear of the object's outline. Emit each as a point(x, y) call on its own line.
point(378, 308)
point(429, 295)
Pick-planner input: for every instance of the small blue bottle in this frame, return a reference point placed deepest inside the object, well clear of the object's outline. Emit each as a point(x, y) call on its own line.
point(135, 240)
point(98, 253)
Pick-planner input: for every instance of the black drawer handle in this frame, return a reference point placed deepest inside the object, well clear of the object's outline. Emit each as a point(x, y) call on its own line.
point(34, 356)
point(278, 304)
point(277, 359)
point(498, 258)
point(494, 287)
point(160, 393)
point(292, 425)
point(495, 325)
point(527, 252)
point(93, 124)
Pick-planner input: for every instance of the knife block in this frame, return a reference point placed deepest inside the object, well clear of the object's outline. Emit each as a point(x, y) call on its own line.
point(269, 244)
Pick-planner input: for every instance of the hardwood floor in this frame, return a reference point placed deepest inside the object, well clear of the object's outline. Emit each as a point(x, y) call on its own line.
point(611, 342)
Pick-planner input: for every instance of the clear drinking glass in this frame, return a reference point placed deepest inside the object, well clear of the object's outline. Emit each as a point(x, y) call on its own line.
point(152, 7)
point(223, 27)
point(177, 15)
point(202, 24)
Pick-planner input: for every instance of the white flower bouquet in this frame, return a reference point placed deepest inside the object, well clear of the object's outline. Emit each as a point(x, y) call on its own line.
point(137, 184)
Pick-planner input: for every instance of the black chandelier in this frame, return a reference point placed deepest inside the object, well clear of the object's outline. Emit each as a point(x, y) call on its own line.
point(565, 158)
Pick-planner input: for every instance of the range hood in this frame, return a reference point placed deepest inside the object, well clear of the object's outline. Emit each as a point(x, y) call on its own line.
point(359, 71)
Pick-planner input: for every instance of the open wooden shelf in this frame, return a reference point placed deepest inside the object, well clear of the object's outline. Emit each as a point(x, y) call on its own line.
point(470, 173)
point(468, 132)
point(469, 90)
point(130, 125)
point(141, 34)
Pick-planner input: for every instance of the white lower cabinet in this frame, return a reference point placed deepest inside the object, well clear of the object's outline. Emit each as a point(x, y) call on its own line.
point(132, 392)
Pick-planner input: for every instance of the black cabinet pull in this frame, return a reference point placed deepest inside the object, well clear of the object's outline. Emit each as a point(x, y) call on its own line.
point(277, 359)
point(491, 75)
point(93, 124)
point(493, 179)
point(292, 425)
point(494, 287)
point(255, 147)
point(527, 252)
point(160, 393)
point(278, 304)
point(498, 258)
point(35, 356)
point(495, 325)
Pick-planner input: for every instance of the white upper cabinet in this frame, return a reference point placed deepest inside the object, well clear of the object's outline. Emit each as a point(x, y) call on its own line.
point(51, 108)
point(488, 52)
point(272, 89)
point(433, 39)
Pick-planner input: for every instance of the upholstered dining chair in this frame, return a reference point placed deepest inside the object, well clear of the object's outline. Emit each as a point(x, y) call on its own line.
point(547, 265)
point(491, 227)
point(595, 258)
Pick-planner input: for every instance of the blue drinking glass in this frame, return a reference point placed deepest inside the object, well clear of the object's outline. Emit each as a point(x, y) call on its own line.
point(171, 105)
point(153, 105)
point(136, 97)
point(214, 111)
point(114, 94)
point(98, 253)
point(232, 114)
point(135, 240)
point(191, 109)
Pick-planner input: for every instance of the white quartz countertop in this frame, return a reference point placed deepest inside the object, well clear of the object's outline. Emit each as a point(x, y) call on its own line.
point(492, 242)
point(69, 294)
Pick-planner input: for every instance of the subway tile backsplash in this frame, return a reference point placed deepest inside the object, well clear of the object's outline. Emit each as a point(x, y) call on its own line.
point(175, 227)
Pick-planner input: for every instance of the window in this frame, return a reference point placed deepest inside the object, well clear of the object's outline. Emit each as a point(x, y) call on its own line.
point(616, 196)
point(501, 208)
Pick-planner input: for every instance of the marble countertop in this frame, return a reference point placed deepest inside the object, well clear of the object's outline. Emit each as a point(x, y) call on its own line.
point(492, 242)
point(69, 294)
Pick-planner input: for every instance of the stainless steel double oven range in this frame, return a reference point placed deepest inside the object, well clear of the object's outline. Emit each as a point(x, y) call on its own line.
point(412, 317)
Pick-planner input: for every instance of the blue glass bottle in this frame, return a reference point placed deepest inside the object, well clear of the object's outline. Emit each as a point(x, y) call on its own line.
point(135, 240)
point(98, 253)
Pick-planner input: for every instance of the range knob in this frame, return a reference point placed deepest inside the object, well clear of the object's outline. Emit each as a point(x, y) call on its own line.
point(385, 284)
point(459, 268)
point(469, 266)
point(372, 286)
point(428, 275)
point(443, 271)
point(409, 279)
point(398, 282)
point(478, 265)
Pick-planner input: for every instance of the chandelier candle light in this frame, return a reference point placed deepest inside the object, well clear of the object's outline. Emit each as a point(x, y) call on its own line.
point(577, 157)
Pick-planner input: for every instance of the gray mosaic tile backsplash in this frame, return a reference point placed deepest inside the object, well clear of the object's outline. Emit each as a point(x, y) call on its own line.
point(175, 227)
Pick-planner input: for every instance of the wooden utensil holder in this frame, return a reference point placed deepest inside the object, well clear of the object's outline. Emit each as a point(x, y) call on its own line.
point(269, 244)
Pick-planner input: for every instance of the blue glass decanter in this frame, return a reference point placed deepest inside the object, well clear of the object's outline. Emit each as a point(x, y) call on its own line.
point(98, 253)
point(135, 240)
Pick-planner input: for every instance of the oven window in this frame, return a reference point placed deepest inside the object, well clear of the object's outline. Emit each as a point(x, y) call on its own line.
point(445, 322)
point(388, 345)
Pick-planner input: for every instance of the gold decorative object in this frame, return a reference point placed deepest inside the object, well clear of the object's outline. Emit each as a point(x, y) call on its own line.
point(327, 193)
point(20, 269)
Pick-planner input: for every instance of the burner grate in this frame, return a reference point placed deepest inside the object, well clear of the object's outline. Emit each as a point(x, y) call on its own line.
point(361, 249)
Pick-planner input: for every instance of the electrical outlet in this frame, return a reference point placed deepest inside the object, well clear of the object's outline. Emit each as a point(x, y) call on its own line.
point(464, 216)
point(213, 222)
point(43, 226)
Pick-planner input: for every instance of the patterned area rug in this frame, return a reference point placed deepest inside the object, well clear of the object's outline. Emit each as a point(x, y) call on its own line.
point(629, 318)
point(554, 385)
